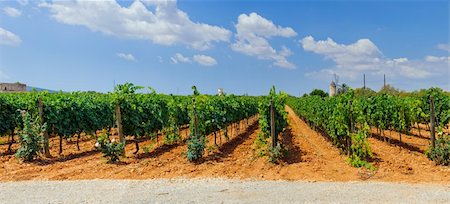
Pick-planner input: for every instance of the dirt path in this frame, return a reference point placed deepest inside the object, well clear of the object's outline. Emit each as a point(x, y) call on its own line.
point(317, 158)
point(396, 163)
point(161, 161)
point(411, 142)
point(219, 191)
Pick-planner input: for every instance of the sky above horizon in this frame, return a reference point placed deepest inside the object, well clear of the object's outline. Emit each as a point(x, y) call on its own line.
point(244, 47)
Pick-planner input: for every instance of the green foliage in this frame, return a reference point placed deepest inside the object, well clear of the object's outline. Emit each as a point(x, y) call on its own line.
point(390, 90)
point(30, 138)
point(318, 92)
point(338, 116)
point(111, 149)
point(213, 113)
point(387, 110)
point(275, 154)
point(441, 153)
point(441, 105)
point(344, 88)
point(364, 92)
point(196, 147)
point(262, 144)
point(145, 114)
point(360, 148)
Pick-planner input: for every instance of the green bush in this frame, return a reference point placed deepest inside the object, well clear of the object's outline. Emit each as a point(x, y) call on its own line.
point(276, 153)
point(318, 92)
point(196, 146)
point(441, 153)
point(30, 138)
point(360, 149)
point(111, 149)
point(263, 144)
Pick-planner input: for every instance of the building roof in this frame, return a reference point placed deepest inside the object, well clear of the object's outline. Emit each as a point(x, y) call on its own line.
point(17, 83)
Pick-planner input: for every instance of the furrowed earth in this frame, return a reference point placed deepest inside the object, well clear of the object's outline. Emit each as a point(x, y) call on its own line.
point(310, 157)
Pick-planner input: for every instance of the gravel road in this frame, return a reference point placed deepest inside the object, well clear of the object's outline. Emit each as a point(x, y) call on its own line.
point(219, 191)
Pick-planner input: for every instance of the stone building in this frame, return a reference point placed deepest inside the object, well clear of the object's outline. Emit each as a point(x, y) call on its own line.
point(13, 87)
point(220, 92)
point(332, 89)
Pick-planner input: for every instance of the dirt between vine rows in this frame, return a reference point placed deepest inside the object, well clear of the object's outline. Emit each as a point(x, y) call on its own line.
point(310, 158)
point(414, 141)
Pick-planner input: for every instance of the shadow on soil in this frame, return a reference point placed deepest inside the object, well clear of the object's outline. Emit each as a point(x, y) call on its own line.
point(7, 153)
point(229, 147)
point(397, 142)
point(418, 136)
point(160, 150)
point(293, 152)
point(53, 160)
point(375, 159)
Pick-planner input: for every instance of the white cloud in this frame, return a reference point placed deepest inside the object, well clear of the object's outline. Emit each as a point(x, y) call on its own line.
point(12, 12)
point(363, 56)
point(166, 25)
point(445, 47)
point(253, 32)
point(128, 57)
point(179, 58)
point(437, 59)
point(9, 38)
point(205, 60)
point(160, 59)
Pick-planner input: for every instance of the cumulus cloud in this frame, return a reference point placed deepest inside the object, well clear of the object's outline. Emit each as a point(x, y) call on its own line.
point(125, 56)
point(12, 12)
point(9, 38)
point(160, 22)
point(205, 60)
point(437, 59)
point(179, 58)
point(253, 32)
point(363, 56)
point(445, 47)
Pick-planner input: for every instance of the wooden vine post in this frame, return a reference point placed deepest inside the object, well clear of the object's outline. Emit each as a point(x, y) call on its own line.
point(432, 122)
point(119, 122)
point(272, 125)
point(195, 120)
point(351, 126)
point(41, 120)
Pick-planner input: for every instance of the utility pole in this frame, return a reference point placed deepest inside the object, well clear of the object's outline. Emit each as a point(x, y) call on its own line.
point(384, 77)
point(364, 81)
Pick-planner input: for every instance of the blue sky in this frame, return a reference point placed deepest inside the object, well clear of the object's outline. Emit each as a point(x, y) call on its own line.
point(243, 47)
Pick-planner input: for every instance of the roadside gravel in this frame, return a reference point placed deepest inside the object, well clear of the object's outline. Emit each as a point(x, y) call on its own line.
point(219, 191)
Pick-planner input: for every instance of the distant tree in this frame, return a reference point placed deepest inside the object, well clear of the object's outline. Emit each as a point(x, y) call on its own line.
point(389, 89)
point(364, 92)
point(318, 92)
point(344, 88)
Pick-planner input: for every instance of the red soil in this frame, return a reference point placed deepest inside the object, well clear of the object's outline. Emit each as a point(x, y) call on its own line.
point(310, 157)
